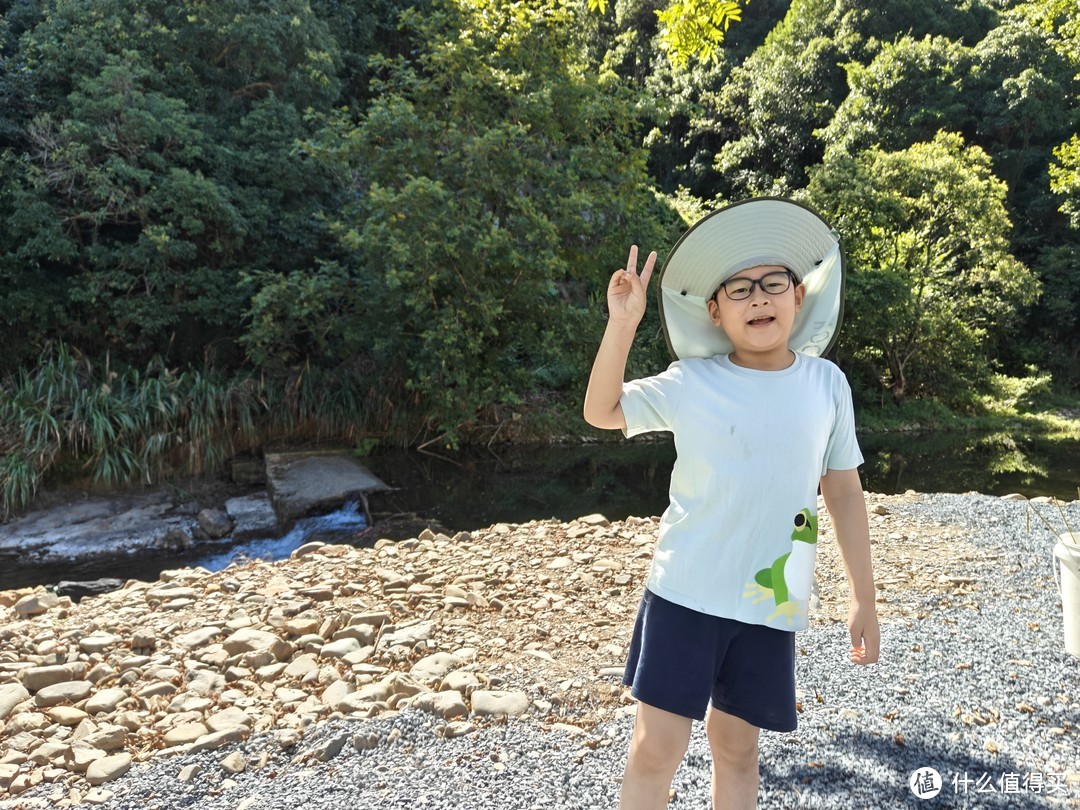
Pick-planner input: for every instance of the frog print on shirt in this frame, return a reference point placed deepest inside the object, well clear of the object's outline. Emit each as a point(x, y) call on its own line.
point(789, 579)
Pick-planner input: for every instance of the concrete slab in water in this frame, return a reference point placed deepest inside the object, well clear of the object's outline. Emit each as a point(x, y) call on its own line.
point(302, 484)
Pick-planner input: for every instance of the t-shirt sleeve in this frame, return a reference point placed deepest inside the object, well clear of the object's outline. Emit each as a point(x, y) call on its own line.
point(842, 452)
point(649, 404)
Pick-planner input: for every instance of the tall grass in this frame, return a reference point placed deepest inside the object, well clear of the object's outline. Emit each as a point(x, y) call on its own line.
point(125, 426)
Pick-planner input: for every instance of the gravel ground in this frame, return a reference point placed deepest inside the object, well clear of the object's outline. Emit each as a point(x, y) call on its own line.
point(977, 687)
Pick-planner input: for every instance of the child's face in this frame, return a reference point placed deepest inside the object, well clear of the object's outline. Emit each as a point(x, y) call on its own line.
point(761, 323)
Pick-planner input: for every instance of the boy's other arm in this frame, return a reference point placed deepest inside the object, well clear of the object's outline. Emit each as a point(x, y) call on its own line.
point(843, 494)
point(626, 297)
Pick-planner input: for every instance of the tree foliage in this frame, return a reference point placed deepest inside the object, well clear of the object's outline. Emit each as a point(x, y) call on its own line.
point(495, 180)
point(156, 162)
point(933, 287)
point(399, 216)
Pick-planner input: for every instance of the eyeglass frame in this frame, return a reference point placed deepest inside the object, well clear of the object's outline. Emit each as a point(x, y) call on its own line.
point(755, 282)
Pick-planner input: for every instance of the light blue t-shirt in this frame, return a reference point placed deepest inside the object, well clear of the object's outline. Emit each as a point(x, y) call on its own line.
point(739, 536)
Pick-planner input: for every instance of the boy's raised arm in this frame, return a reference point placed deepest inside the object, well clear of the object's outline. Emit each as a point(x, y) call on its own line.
point(626, 298)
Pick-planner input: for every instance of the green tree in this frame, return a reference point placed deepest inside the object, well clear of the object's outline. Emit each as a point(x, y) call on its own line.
point(496, 181)
point(1021, 91)
point(908, 92)
point(768, 111)
point(155, 163)
point(933, 286)
point(762, 122)
point(1060, 17)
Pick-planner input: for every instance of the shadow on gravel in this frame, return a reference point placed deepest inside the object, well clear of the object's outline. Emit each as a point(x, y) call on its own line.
point(875, 772)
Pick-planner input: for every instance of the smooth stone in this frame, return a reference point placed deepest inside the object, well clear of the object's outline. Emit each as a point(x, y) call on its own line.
point(595, 519)
point(326, 751)
point(82, 756)
point(107, 738)
point(335, 693)
point(198, 638)
point(288, 695)
point(68, 691)
point(247, 639)
point(99, 643)
point(301, 666)
point(108, 769)
point(234, 763)
point(11, 695)
point(229, 718)
point(205, 683)
point(447, 705)
point(217, 739)
point(435, 667)
point(36, 603)
point(458, 728)
point(105, 701)
point(185, 733)
point(98, 796)
point(67, 715)
point(37, 678)
point(215, 522)
point(460, 681)
point(80, 589)
point(492, 703)
point(340, 648)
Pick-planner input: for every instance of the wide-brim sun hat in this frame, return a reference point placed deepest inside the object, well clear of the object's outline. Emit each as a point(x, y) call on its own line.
point(745, 234)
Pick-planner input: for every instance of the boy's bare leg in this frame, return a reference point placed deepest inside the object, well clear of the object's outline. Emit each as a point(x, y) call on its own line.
point(734, 744)
point(657, 747)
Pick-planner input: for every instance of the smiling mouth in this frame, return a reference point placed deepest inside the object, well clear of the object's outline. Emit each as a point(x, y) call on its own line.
point(761, 321)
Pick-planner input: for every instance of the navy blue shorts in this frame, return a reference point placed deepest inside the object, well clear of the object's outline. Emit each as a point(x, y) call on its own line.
point(681, 659)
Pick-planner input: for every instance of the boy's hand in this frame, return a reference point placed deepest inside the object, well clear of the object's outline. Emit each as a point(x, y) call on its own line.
point(626, 294)
point(865, 634)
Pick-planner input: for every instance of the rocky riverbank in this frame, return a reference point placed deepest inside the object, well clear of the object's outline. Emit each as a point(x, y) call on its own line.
point(526, 621)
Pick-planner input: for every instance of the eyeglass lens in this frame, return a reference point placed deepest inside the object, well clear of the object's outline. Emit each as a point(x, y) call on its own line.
point(770, 283)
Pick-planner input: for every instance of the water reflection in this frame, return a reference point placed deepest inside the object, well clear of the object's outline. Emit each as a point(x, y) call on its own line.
point(476, 488)
point(996, 463)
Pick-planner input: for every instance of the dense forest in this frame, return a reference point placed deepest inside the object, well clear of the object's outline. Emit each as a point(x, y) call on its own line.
point(233, 223)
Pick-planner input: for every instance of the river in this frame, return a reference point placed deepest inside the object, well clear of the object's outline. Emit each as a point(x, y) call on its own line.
point(478, 487)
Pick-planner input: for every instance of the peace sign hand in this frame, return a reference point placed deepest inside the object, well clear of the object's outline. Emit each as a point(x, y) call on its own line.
point(626, 294)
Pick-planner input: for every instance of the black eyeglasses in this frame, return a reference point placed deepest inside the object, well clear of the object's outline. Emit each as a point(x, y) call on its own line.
point(738, 289)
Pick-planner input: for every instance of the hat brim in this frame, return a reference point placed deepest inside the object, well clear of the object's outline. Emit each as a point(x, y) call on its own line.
point(759, 231)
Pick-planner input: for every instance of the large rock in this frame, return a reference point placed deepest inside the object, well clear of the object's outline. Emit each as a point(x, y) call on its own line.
point(215, 522)
point(302, 484)
point(79, 589)
point(252, 517)
point(93, 526)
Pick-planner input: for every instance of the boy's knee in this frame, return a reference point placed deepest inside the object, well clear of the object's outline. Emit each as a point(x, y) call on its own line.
point(735, 753)
point(733, 742)
point(655, 754)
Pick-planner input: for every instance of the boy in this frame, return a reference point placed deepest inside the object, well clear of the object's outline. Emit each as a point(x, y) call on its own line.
point(750, 297)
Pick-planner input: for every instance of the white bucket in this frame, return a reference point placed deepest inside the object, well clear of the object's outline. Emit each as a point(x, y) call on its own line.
point(1067, 552)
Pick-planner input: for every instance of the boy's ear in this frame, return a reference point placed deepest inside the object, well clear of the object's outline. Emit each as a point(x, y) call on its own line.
point(800, 295)
point(714, 311)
